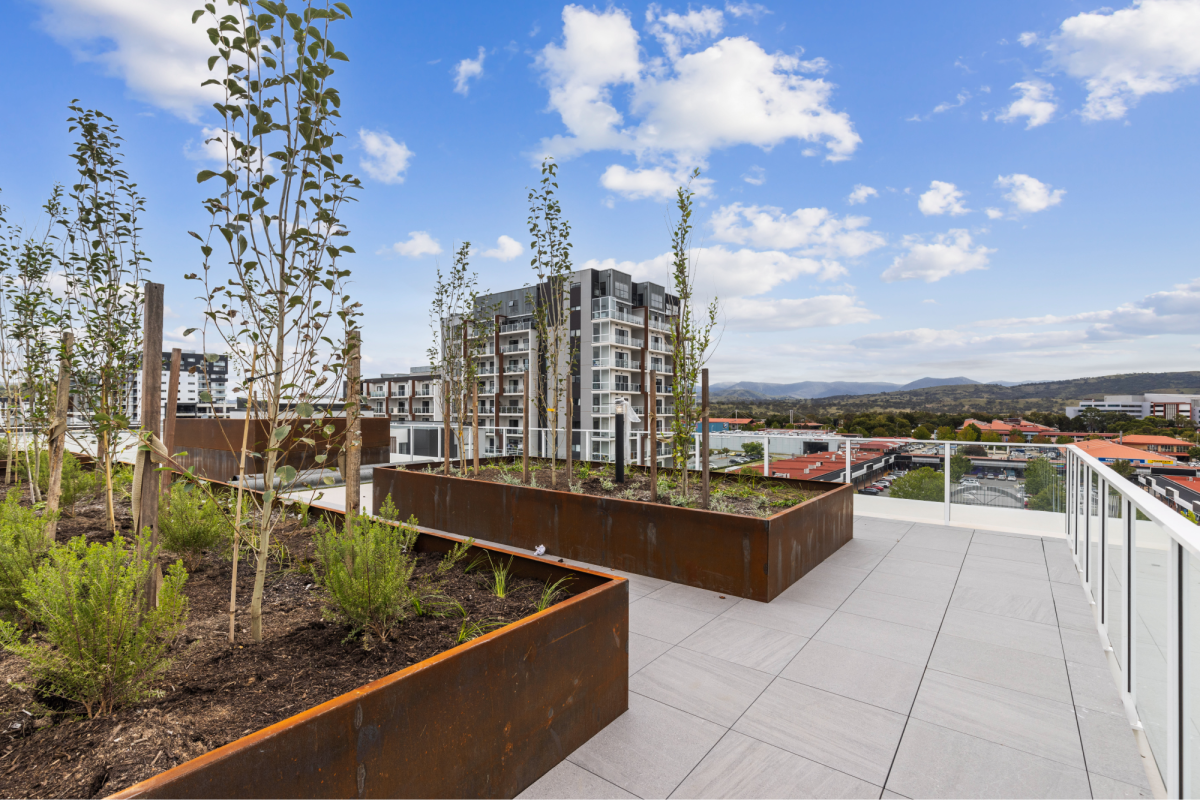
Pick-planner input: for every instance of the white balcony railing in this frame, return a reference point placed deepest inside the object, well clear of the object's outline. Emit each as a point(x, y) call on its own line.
point(515, 348)
point(510, 409)
point(508, 327)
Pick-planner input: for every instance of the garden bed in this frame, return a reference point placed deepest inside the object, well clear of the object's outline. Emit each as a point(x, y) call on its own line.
point(750, 556)
point(212, 696)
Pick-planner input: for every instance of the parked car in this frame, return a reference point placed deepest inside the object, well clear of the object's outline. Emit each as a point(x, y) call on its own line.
point(969, 482)
point(869, 490)
point(1012, 478)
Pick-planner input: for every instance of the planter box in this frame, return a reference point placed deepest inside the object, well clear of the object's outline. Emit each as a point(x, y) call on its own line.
point(485, 719)
point(752, 557)
point(212, 446)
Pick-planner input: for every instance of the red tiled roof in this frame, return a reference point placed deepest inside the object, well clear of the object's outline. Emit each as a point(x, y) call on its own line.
point(1140, 439)
point(746, 421)
point(1098, 448)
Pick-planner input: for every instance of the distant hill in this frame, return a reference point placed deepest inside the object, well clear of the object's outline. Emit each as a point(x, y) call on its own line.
point(808, 390)
point(990, 397)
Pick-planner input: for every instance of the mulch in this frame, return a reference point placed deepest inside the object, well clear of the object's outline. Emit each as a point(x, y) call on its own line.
point(213, 693)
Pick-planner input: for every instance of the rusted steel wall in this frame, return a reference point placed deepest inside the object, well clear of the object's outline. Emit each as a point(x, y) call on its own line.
point(724, 553)
point(485, 719)
point(212, 445)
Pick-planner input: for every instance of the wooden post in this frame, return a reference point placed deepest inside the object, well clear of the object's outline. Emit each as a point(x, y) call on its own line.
point(58, 436)
point(475, 423)
point(152, 367)
point(569, 396)
point(652, 425)
point(525, 433)
point(354, 432)
point(237, 513)
point(704, 437)
point(446, 405)
point(169, 424)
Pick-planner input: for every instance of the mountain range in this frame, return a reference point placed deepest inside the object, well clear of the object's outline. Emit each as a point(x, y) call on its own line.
point(812, 390)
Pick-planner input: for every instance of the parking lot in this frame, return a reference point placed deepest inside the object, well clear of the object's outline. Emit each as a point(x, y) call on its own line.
point(974, 490)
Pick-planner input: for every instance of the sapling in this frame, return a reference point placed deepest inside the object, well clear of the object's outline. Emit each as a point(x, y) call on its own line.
point(23, 545)
point(454, 555)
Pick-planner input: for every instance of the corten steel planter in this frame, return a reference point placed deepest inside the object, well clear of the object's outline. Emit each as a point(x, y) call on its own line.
point(751, 557)
point(485, 719)
point(212, 446)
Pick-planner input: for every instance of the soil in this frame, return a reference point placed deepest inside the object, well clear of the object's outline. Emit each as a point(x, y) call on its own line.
point(746, 495)
point(213, 693)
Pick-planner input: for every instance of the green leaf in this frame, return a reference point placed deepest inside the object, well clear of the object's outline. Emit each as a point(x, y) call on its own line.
point(320, 459)
point(280, 433)
point(305, 410)
point(268, 496)
point(205, 397)
point(190, 331)
point(328, 480)
point(197, 14)
point(211, 358)
point(287, 473)
point(204, 175)
point(329, 429)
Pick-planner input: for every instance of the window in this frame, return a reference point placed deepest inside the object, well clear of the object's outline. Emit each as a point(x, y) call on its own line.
point(656, 301)
point(622, 291)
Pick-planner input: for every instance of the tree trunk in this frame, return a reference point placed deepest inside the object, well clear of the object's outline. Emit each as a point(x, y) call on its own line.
point(169, 425)
point(58, 437)
point(704, 437)
point(525, 431)
point(475, 423)
point(147, 515)
point(353, 433)
point(274, 399)
point(652, 425)
point(237, 512)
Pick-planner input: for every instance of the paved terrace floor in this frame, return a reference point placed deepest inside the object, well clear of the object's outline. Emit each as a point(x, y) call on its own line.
point(918, 661)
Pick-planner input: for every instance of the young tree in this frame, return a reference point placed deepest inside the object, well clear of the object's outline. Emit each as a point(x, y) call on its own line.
point(945, 433)
point(275, 216)
point(990, 436)
point(556, 355)
point(1064, 440)
point(960, 465)
point(691, 336)
point(921, 484)
point(461, 328)
point(104, 268)
point(921, 433)
point(1123, 468)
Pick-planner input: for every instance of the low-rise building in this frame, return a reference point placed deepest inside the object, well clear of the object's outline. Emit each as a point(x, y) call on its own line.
point(1108, 452)
point(1140, 406)
point(1168, 445)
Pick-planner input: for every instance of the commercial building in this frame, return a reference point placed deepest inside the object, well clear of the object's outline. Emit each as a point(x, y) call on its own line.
point(1007, 427)
point(196, 375)
point(1167, 445)
point(1140, 406)
point(1108, 452)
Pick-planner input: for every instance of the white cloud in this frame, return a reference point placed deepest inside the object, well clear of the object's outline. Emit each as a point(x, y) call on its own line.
point(745, 9)
point(211, 147)
point(151, 45)
point(731, 93)
point(790, 314)
point(1028, 194)
point(959, 100)
point(861, 194)
point(812, 231)
point(467, 69)
point(756, 176)
point(948, 254)
point(506, 249)
point(942, 198)
point(1036, 104)
point(994, 213)
point(729, 273)
point(419, 243)
point(1148, 47)
point(1027, 39)
point(676, 31)
point(386, 159)
point(656, 183)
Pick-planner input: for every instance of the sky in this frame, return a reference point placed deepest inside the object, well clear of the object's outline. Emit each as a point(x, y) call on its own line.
point(1004, 191)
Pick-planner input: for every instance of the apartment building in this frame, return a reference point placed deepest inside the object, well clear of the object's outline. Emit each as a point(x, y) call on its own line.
point(210, 376)
point(413, 396)
point(1140, 406)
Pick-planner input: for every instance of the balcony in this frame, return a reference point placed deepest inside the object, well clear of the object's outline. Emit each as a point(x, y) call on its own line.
point(663, 369)
point(509, 327)
point(510, 409)
point(631, 365)
point(919, 660)
point(514, 390)
point(604, 409)
point(620, 341)
point(617, 314)
point(660, 326)
point(662, 346)
point(513, 370)
point(627, 387)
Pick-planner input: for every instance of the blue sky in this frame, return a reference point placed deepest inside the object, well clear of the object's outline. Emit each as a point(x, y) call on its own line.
point(1005, 191)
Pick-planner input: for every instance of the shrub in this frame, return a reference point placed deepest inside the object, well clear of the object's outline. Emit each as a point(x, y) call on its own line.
point(100, 647)
point(368, 574)
point(76, 483)
point(23, 544)
point(192, 523)
point(922, 484)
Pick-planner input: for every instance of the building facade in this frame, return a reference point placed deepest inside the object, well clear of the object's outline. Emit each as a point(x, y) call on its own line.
point(1140, 406)
point(210, 376)
point(413, 396)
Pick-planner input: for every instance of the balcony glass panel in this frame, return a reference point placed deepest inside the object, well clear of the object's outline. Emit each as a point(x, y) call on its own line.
point(1114, 557)
point(1152, 558)
point(1095, 509)
point(1191, 713)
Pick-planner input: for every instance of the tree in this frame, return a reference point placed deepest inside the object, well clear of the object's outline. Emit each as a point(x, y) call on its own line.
point(550, 233)
point(969, 434)
point(1194, 453)
point(691, 337)
point(945, 433)
point(1041, 438)
point(922, 484)
point(1015, 437)
point(461, 329)
point(990, 436)
point(103, 267)
point(1091, 418)
point(1123, 468)
point(753, 449)
point(1064, 440)
point(1039, 473)
point(921, 433)
point(960, 465)
point(280, 294)
point(1052, 497)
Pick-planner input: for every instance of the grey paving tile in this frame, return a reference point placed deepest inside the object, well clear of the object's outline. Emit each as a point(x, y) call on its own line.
point(841, 733)
point(1010, 553)
point(881, 525)
point(866, 545)
point(873, 679)
point(800, 619)
point(817, 592)
point(1083, 647)
point(1083, 621)
point(937, 762)
point(764, 649)
point(1093, 687)
point(1014, 719)
point(649, 749)
point(699, 599)
point(1004, 603)
point(640, 583)
point(1019, 634)
point(743, 767)
point(887, 639)
point(928, 589)
point(1063, 572)
point(708, 687)
point(835, 574)
point(856, 558)
point(953, 540)
point(1071, 597)
point(1005, 566)
point(918, 570)
point(886, 535)
point(889, 793)
point(643, 650)
point(890, 607)
point(1011, 584)
point(666, 622)
point(1111, 748)
point(1032, 543)
point(1105, 787)
point(568, 780)
point(928, 555)
point(1002, 666)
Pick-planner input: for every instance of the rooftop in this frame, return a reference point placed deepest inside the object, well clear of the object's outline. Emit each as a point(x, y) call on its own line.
point(1145, 439)
point(918, 661)
point(1111, 451)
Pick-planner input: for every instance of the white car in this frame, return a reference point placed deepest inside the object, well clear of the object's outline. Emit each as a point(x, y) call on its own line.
point(1012, 478)
point(969, 482)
